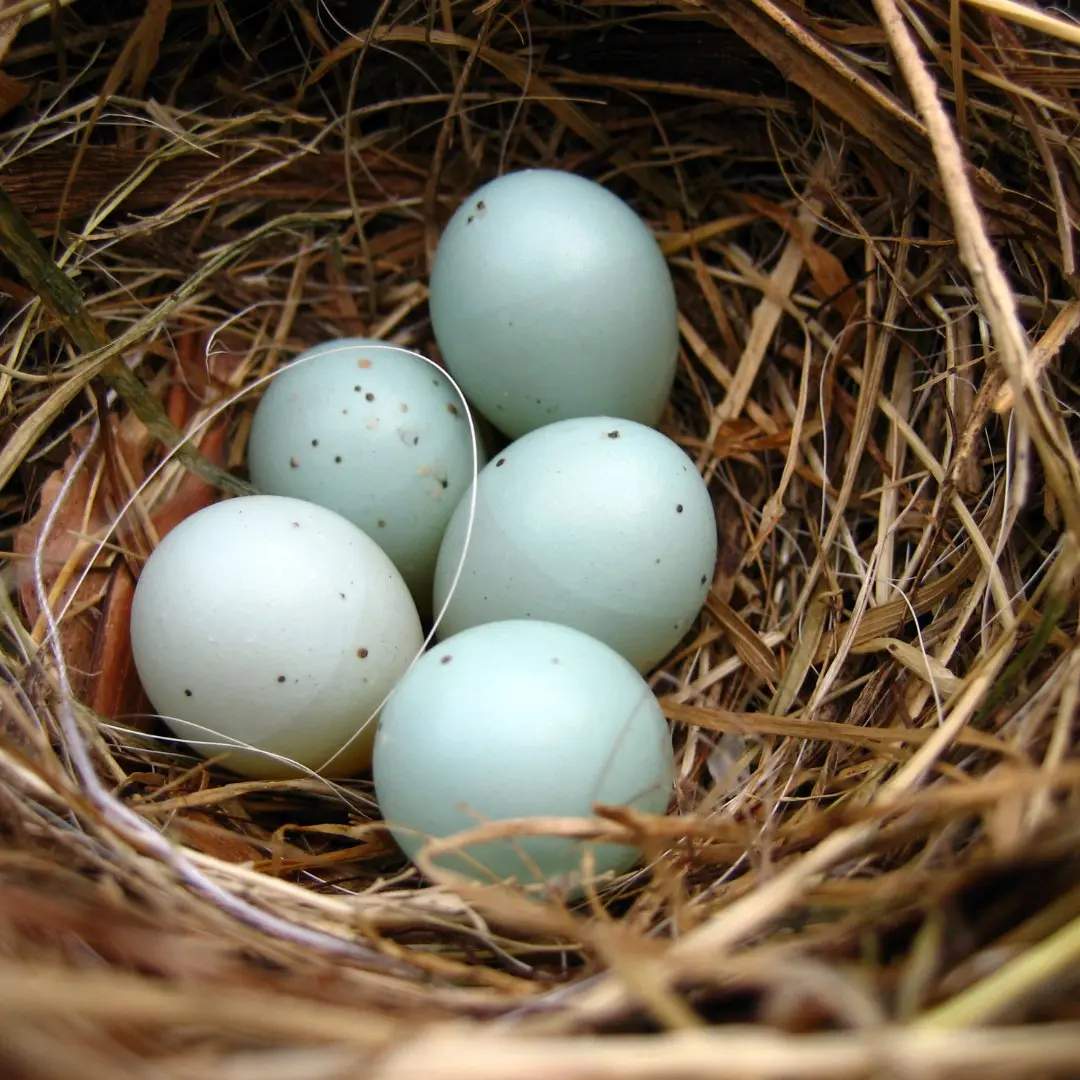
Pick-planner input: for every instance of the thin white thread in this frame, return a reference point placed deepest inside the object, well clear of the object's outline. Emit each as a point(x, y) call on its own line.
point(227, 403)
point(143, 837)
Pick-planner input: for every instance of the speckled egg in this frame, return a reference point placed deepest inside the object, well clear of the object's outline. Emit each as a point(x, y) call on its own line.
point(276, 624)
point(601, 524)
point(551, 299)
point(520, 719)
point(376, 433)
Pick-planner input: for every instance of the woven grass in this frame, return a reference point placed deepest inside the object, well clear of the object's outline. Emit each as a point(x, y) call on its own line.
point(871, 865)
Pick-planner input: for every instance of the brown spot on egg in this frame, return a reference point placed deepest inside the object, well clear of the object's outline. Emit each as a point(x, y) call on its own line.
point(381, 524)
point(337, 459)
point(500, 463)
point(446, 659)
point(613, 434)
point(365, 363)
point(369, 396)
point(362, 653)
point(281, 678)
point(294, 463)
point(452, 409)
point(678, 508)
point(189, 693)
point(314, 442)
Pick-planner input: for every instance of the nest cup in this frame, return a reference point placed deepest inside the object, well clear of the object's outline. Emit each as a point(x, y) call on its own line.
point(871, 855)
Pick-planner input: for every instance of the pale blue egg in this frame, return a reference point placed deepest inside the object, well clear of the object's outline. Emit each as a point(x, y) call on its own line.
point(375, 433)
point(598, 523)
point(520, 719)
point(550, 299)
point(274, 623)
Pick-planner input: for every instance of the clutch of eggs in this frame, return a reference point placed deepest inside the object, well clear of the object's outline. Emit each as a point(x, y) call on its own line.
point(270, 630)
point(601, 524)
point(275, 624)
point(550, 299)
point(376, 433)
point(520, 719)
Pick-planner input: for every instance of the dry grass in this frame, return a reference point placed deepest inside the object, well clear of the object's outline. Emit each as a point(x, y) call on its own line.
point(869, 211)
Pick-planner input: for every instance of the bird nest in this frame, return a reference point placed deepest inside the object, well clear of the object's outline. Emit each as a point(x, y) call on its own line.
point(870, 865)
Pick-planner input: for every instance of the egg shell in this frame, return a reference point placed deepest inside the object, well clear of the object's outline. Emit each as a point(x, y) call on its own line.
point(550, 298)
point(602, 524)
point(274, 622)
point(520, 719)
point(375, 433)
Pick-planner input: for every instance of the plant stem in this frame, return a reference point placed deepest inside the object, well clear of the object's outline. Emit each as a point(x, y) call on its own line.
point(62, 298)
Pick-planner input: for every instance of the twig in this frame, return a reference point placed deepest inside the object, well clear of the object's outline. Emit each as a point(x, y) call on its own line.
point(59, 294)
point(991, 286)
point(735, 1051)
